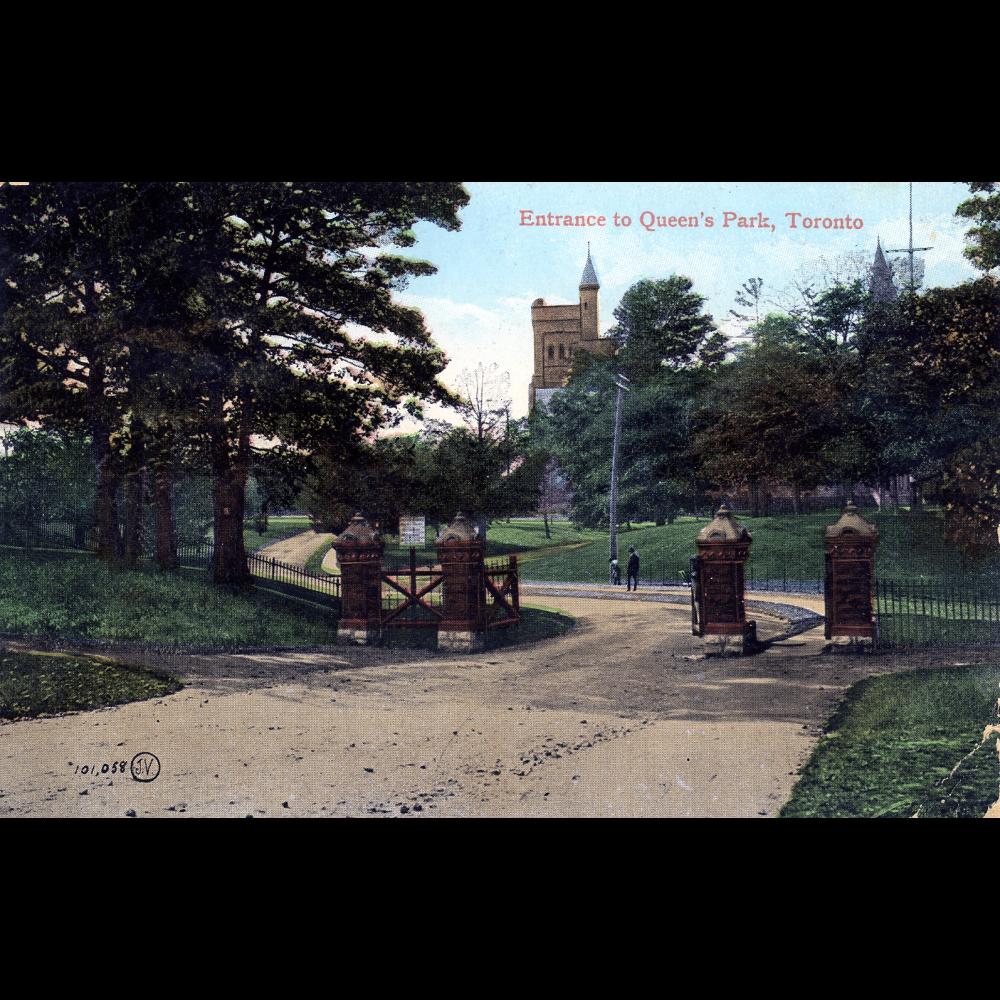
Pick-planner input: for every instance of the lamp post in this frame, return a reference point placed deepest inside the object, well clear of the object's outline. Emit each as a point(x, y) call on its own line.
point(623, 386)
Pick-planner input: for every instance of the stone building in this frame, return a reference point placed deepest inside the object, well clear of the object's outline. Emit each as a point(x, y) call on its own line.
point(560, 332)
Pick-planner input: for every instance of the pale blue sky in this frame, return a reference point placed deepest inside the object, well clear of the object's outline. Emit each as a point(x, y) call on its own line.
point(478, 303)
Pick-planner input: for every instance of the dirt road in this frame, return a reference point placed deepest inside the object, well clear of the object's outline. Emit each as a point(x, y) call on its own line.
point(617, 718)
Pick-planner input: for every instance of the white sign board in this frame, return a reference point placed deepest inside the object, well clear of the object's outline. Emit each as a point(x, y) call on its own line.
point(412, 529)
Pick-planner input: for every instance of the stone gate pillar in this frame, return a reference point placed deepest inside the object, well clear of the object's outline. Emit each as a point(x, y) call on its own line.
point(723, 549)
point(850, 583)
point(359, 553)
point(460, 552)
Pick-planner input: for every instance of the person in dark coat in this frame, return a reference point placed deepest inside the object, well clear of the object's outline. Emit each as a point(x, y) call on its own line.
point(633, 569)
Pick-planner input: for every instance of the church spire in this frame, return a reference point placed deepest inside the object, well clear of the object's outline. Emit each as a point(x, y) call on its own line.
point(880, 283)
point(589, 279)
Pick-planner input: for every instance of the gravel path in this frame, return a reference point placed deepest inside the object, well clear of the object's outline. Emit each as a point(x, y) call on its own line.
point(296, 550)
point(621, 717)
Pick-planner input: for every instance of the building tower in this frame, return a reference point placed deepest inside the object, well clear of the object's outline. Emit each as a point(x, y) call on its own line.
point(560, 332)
point(880, 283)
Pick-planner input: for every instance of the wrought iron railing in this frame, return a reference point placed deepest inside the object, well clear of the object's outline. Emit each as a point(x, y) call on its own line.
point(266, 570)
point(938, 613)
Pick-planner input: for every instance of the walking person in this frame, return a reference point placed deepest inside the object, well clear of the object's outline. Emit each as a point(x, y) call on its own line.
point(633, 569)
point(616, 573)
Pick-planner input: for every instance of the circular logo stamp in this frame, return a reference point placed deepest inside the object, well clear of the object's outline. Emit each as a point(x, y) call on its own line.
point(145, 766)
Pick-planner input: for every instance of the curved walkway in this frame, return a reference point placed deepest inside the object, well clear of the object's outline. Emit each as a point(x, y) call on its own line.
point(296, 549)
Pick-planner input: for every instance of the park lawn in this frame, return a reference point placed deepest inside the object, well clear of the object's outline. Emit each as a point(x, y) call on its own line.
point(785, 547)
point(77, 597)
point(37, 683)
point(891, 746)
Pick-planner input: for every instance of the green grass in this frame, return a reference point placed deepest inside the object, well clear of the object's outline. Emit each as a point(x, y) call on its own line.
point(314, 564)
point(77, 597)
point(889, 749)
point(34, 684)
point(784, 547)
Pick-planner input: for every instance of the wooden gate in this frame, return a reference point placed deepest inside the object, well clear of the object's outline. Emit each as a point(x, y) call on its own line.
point(503, 605)
point(411, 595)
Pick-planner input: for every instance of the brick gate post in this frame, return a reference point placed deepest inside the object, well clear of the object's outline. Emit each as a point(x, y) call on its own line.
point(359, 552)
point(850, 583)
point(723, 549)
point(460, 552)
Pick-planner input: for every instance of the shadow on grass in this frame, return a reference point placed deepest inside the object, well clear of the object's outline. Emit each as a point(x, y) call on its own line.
point(537, 624)
point(34, 683)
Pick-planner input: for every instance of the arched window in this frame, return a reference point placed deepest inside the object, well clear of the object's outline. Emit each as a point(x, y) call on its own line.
point(562, 352)
point(552, 352)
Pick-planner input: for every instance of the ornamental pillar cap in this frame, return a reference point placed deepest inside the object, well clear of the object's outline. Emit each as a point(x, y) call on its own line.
point(724, 528)
point(851, 523)
point(358, 532)
point(460, 531)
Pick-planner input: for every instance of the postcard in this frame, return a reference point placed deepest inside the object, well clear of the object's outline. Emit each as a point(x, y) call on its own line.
point(438, 499)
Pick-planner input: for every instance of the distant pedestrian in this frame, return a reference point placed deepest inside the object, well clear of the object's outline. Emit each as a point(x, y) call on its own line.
point(633, 569)
point(616, 573)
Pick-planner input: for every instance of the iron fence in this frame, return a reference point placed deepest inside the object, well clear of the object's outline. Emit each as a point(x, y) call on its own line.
point(938, 613)
point(795, 575)
point(283, 575)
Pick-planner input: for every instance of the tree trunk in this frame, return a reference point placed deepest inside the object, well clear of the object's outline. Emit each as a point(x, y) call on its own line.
point(109, 543)
point(162, 487)
point(229, 559)
point(165, 525)
point(797, 500)
point(135, 494)
point(754, 498)
point(548, 534)
point(106, 504)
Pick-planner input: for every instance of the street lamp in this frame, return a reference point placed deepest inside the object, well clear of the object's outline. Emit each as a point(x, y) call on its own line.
point(623, 386)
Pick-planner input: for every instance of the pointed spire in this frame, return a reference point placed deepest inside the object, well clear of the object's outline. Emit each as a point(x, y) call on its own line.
point(880, 282)
point(589, 279)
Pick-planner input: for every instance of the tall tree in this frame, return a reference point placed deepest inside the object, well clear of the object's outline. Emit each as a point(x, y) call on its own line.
point(656, 469)
point(75, 264)
point(984, 236)
point(290, 270)
point(660, 324)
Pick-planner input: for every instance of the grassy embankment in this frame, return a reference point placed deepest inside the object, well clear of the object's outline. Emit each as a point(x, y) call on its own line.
point(66, 597)
point(892, 746)
point(74, 596)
